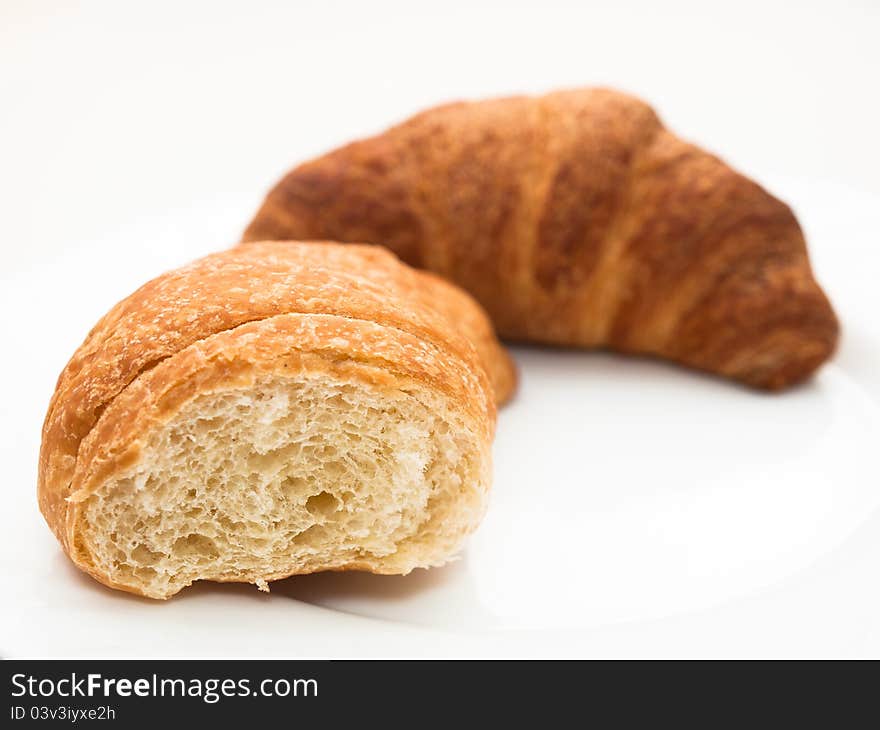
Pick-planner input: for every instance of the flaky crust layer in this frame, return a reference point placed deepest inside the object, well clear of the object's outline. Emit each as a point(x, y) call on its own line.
point(577, 219)
point(249, 309)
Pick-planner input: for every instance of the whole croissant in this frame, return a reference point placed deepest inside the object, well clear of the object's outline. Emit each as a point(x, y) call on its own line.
point(577, 219)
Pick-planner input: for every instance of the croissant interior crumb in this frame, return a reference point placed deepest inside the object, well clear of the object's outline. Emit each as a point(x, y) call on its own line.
point(290, 475)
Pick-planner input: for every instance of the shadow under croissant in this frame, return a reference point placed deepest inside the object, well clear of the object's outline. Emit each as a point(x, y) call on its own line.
point(322, 587)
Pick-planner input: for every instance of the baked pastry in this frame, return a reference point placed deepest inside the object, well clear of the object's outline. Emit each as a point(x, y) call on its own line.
point(577, 219)
point(276, 409)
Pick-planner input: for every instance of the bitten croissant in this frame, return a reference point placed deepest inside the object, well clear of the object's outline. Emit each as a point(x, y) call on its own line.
point(577, 219)
point(273, 410)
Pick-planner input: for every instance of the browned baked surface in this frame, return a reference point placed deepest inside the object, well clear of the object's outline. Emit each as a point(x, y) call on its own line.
point(92, 422)
point(577, 219)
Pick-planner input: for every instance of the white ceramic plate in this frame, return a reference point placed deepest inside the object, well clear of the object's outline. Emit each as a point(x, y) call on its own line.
point(638, 509)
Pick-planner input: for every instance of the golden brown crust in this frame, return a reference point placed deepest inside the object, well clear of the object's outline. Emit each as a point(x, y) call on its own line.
point(577, 219)
point(175, 317)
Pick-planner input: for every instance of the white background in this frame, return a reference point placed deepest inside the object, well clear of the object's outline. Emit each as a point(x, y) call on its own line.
point(134, 137)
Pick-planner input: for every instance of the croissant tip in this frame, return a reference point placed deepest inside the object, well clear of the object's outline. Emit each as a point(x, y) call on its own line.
point(796, 359)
